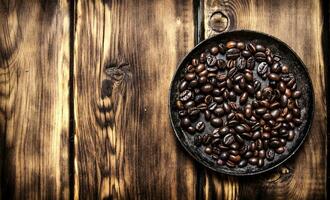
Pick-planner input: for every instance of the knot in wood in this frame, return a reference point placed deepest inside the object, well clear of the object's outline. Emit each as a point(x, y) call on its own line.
point(218, 21)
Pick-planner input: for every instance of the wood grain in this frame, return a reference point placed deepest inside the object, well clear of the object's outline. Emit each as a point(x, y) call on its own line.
point(299, 24)
point(125, 55)
point(34, 91)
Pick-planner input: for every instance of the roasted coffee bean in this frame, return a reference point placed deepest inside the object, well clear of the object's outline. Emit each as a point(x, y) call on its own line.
point(242, 163)
point(260, 111)
point(190, 76)
point(260, 48)
point(193, 83)
point(185, 95)
point(260, 56)
point(214, 50)
point(216, 122)
point(194, 62)
point(202, 58)
point(190, 68)
point(183, 86)
point(241, 63)
point(193, 111)
point(200, 68)
point(269, 59)
point(284, 100)
point(191, 130)
point(246, 53)
point(232, 53)
point(212, 106)
point(262, 68)
point(253, 161)
point(274, 77)
point(256, 135)
point(234, 158)
point(280, 150)
point(296, 94)
point(260, 162)
point(189, 104)
point(248, 111)
point(208, 99)
point(208, 150)
point(221, 64)
point(219, 100)
point(207, 88)
point(224, 155)
point(179, 105)
point(226, 107)
point(183, 113)
point(243, 98)
point(250, 62)
point(276, 68)
point(248, 76)
point(228, 139)
point(185, 122)
point(285, 69)
point(256, 85)
point(231, 44)
point(200, 126)
point(270, 154)
point(207, 115)
point(251, 47)
point(211, 60)
point(219, 111)
point(242, 83)
point(232, 72)
point(220, 162)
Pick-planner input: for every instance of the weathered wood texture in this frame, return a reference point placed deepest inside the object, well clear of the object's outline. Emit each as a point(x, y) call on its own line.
point(34, 99)
point(125, 55)
point(299, 24)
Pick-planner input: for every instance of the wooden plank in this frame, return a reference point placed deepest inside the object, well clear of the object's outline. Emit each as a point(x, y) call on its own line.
point(125, 55)
point(34, 99)
point(299, 24)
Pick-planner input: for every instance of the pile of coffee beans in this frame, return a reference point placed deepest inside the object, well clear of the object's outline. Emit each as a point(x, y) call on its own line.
point(247, 96)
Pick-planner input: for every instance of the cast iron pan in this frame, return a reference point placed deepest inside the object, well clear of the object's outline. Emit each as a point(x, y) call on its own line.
point(304, 84)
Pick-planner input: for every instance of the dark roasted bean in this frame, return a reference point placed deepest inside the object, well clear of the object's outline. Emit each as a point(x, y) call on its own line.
point(253, 160)
point(231, 44)
point(191, 130)
point(285, 69)
point(270, 154)
point(235, 159)
point(246, 53)
point(250, 63)
point(243, 99)
point(262, 68)
point(212, 106)
point(179, 105)
point(240, 45)
point(241, 63)
point(207, 88)
point(260, 57)
point(260, 162)
point(242, 163)
point(274, 77)
point(280, 150)
point(185, 122)
point(228, 139)
point(211, 60)
point(207, 115)
point(214, 50)
point(261, 48)
point(200, 126)
point(216, 122)
point(251, 47)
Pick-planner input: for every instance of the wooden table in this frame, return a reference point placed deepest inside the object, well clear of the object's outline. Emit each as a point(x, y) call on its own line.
point(84, 93)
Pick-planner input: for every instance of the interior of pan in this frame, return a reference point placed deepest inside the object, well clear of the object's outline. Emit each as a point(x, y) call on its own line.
point(304, 84)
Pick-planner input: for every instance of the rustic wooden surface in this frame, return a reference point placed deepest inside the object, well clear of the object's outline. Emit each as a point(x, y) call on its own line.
point(34, 100)
point(125, 55)
point(84, 98)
